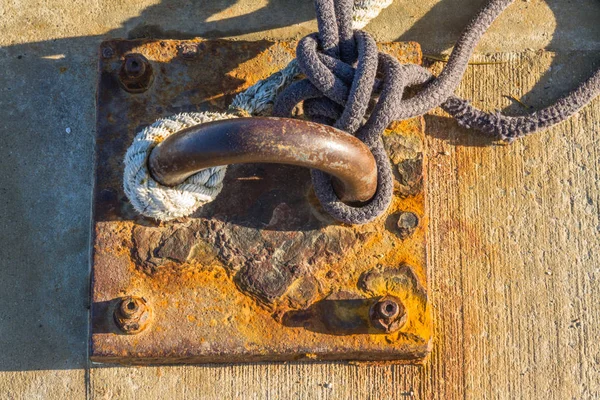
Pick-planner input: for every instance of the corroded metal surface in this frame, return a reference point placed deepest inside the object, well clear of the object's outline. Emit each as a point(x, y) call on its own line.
point(268, 140)
point(262, 273)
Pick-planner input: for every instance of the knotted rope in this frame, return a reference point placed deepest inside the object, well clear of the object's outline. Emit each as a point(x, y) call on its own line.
point(344, 72)
point(341, 65)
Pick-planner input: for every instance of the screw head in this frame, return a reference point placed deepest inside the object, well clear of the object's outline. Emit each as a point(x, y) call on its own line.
point(108, 52)
point(388, 314)
point(132, 314)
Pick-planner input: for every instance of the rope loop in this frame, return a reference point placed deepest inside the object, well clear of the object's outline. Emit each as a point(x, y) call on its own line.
point(341, 68)
point(164, 203)
point(345, 75)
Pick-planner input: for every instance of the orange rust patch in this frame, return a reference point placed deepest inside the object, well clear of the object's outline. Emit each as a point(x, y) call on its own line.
point(194, 272)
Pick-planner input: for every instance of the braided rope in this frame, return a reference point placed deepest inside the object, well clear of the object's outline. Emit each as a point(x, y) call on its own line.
point(152, 199)
point(341, 67)
point(366, 10)
point(340, 64)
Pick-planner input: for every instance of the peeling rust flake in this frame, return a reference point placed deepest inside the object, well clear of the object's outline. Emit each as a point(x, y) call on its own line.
point(262, 273)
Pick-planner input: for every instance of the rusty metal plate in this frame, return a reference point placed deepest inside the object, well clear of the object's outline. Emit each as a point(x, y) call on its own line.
point(262, 273)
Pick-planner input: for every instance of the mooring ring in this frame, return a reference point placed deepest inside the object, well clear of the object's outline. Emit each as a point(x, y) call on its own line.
point(345, 158)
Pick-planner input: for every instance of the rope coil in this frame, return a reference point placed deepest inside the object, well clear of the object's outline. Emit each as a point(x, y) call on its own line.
point(164, 203)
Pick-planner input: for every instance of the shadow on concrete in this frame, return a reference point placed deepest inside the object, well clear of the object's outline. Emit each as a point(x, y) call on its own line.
point(46, 158)
point(47, 153)
point(202, 19)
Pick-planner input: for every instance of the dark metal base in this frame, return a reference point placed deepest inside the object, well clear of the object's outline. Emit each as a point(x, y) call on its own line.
point(262, 273)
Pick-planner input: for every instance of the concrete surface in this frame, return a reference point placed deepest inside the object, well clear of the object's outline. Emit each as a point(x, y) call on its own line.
point(48, 59)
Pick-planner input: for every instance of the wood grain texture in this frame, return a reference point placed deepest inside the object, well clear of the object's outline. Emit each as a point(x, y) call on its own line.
point(514, 246)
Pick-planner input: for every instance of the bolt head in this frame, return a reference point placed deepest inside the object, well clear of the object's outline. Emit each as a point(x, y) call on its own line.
point(388, 314)
point(387, 309)
point(132, 314)
point(136, 73)
point(135, 65)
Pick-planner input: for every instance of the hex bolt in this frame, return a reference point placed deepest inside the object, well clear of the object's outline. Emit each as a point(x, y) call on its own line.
point(407, 224)
point(388, 314)
point(136, 74)
point(132, 315)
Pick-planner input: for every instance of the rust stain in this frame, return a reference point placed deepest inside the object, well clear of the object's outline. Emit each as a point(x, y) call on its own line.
point(265, 275)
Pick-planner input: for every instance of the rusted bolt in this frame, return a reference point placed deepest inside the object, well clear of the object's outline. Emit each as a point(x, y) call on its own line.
point(388, 314)
point(108, 52)
point(132, 315)
point(135, 74)
point(407, 223)
point(188, 50)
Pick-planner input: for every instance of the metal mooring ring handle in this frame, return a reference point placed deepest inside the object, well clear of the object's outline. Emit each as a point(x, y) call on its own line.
point(268, 140)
